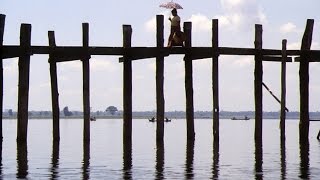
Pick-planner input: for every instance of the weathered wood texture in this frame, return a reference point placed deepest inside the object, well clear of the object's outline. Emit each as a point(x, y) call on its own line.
point(160, 81)
point(215, 79)
point(23, 89)
point(54, 89)
point(283, 91)
point(304, 82)
point(127, 89)
point(71, 53)
point(86, 84)
point(258, 71)
point(189, 83)
point(2, 23)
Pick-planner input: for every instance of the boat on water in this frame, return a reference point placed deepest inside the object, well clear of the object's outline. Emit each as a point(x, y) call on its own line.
point(93, 118)
point(240, 118)
point(153, 119)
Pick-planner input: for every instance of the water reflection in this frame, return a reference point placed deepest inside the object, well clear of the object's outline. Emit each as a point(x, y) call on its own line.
point(22, 160)
point(86, 161)
point(55, 160)
point(189, 159)
point(283, 158)
point(127, 160)
point(215, 165)
point(304, 159)
point(258, 160)
point(1, 160)
point(160, 160)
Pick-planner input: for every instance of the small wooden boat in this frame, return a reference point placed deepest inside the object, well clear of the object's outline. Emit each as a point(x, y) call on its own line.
point(240, 118)
point(167, 120)
point(93, 118)
point(152, 119)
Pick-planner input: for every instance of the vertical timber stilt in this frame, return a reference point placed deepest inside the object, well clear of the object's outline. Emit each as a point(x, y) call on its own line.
point(2, 23)
point(215, 79)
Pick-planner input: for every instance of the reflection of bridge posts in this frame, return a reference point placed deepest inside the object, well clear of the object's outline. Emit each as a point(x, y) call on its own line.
point(127, 162)
point(55, 159)
point(0, 159)
point(86, 161)
point(160, 161)
point(22, 160)
point(283, 158)
point(215, 165)
point(258, 160)
point(304, 160)
point(189, 159)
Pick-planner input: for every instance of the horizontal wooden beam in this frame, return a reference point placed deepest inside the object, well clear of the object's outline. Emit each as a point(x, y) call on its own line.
point(68, 53)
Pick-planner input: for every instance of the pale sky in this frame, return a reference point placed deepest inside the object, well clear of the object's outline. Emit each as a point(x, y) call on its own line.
point(285, 19)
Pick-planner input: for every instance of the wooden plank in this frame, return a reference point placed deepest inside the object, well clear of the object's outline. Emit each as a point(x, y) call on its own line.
point(283, 91)
point(127, 90)
point(189, 84)
point(54, 90)
point(304, 82)
point(258, 72)
point(2, 24)
point(160, 81)
point(23, 88)
point(215, 79)
point(69, 53)
point(86, 84)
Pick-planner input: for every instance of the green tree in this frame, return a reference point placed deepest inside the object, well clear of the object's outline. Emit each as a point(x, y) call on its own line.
point(112, 110)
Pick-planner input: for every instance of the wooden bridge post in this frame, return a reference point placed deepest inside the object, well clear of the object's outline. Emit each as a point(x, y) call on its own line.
point(127, 90)
point(54, 89)
point(304, 81)
point(86, 84)
point(283, 90)
point(215, 79)
point(160, 81)
point(258, 72)
point(189, 84)
point(2, 23)
point(23, 90)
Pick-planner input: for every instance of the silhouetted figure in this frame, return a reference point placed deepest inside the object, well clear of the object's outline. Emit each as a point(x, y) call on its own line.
point(176, 36)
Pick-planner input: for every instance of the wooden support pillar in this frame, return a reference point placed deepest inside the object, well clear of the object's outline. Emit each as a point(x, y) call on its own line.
point(189, 83)
point(2, 23)
point(215, 79)
point(23, 90)
point(160, 81)
point(283, 90)
point(86, 84)
point(127, 90)
point(54, 89)
point(304, 81)
point(258, 71)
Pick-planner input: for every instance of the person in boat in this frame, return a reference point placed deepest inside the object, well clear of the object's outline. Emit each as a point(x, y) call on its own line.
point(318, 137)
point(176, 37)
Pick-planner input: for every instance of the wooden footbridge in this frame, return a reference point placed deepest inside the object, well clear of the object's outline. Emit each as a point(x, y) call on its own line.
point(127, 53)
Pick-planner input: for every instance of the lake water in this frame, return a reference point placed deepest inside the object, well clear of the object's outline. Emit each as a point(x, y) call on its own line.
point(237, 156)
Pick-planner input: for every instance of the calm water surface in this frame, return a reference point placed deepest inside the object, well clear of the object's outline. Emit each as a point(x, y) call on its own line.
point(236, 157)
